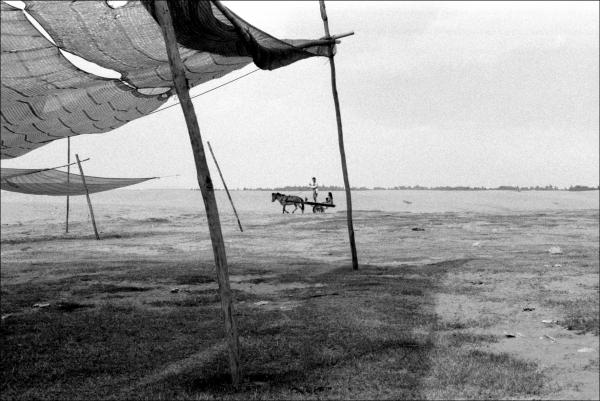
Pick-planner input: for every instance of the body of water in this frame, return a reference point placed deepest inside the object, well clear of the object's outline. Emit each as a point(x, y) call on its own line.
point(133, 203)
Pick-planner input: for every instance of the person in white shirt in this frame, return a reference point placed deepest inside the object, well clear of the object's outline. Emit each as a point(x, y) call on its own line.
point(313, 185)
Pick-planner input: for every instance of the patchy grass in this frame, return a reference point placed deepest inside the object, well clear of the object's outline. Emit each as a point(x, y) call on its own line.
point(482, 375)
point(91, 354)
point(194, 278)
point(581, 315)
point(115, 330)
point(353, 347)
point(17, 297)
point(457, 338)
point(367, 336)
point(187, 301)
point(109, 288)
point(67, 306)
point(199, 298)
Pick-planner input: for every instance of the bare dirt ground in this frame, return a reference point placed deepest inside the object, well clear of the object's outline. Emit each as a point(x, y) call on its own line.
point(454, 311)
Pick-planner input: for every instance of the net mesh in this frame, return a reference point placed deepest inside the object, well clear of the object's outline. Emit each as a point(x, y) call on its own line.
point(58, 183)
point(45, 97)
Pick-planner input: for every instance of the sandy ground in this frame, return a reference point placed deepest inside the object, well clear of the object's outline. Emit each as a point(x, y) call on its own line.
point(506, 262)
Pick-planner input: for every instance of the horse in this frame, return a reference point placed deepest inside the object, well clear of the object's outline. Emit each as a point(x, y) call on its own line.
point(288, 200)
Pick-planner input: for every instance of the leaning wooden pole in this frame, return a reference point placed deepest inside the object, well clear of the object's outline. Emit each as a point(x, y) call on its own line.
point(68, 180)
point(338, 117)
point(206, 186)
point(225, 186)
point(87, 195)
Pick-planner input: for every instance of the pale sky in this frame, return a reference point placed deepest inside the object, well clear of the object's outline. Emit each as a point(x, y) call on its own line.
point(480, 94)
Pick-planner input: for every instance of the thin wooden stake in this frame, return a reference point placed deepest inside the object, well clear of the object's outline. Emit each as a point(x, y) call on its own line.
point(87, 195)
point(225, 186)
point(338, 117)
point(206, 186)
point(68, 180)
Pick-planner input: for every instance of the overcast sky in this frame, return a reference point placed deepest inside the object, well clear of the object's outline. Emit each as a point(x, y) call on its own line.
point(480, 94)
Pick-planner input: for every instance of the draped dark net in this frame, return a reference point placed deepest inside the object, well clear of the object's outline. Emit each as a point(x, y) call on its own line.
point(45, 97)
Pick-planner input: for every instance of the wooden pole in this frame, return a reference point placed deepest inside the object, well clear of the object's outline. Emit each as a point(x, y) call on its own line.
point(206, 186)
point(225, 186)
point(341, 35)
point(68, 180)
point(87, 195)
point(338, 117)
point(333, 39)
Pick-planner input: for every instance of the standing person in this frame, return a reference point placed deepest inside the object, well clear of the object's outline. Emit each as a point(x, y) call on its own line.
point(313, 185)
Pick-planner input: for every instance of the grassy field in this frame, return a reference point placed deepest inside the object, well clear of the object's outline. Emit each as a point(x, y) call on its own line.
point(454, 311)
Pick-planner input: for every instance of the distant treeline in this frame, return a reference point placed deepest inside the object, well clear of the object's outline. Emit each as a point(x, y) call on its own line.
point(583, 188)
point(297, 188)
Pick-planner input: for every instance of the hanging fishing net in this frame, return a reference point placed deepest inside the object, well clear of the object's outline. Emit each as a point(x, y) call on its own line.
point(58, 183)
point(45, 97)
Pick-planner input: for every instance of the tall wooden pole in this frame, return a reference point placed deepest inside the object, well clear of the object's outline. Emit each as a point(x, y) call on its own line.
point(225, 186)
point(68, 180)
point(206, 186)
point(338, 117)
point(87, 195)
